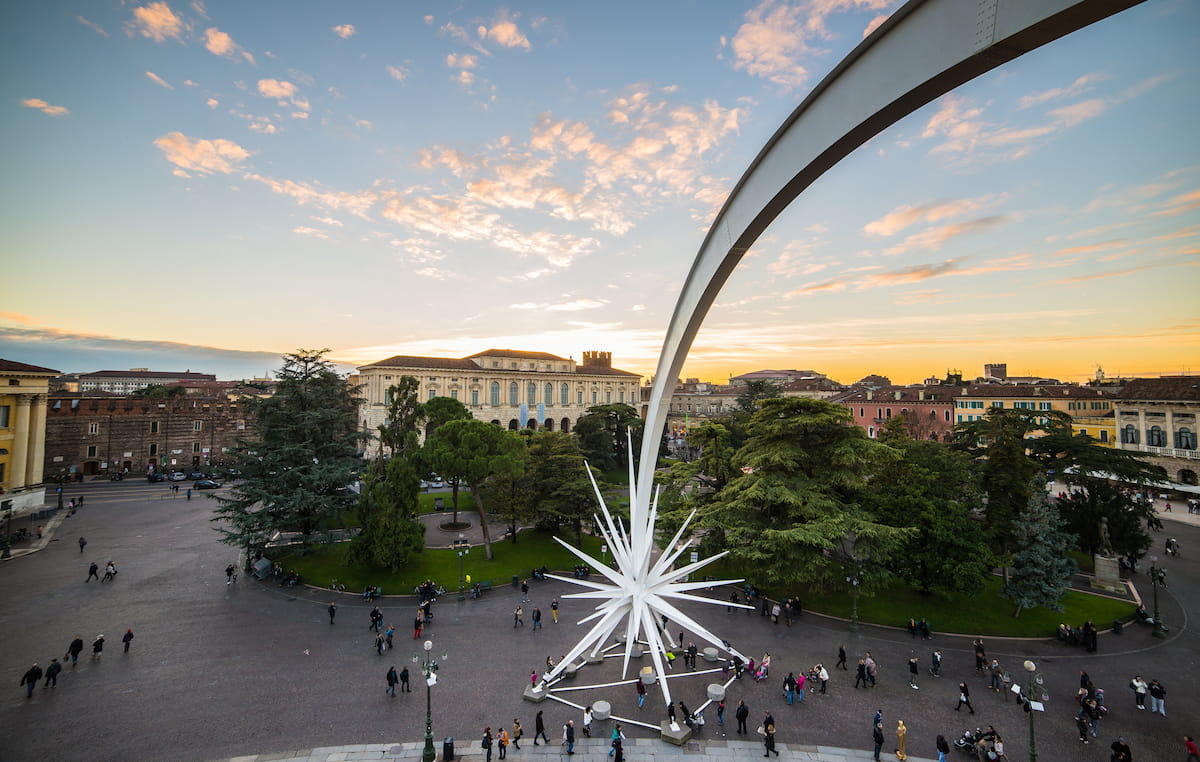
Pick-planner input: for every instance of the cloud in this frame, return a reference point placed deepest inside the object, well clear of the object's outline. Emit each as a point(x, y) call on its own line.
point(345, 31)
point(574, 305)
point(1081, 85)
point(462, 61)
point(775, 36)
point(304, 230)
point(911, 274)
point(932, 211)
point(212, 103)
point(220, 44)
point(285, 92)
point(92, 25)
point(45, 107)
point(159, 80)
point(397, 72)
point(330, 221)
point(203, 156)
point(357, 204)
point(156, 21)
point(504, 31)
point(932, 239)
point(874, 24)
point(1118, 273)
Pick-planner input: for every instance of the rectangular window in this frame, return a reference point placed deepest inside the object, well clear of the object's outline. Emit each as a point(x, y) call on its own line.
point(580, 397)
point(453, 394)
point(1103, 435)
point(594, 397)
point(621, 397)
point(608, 398)
point(999, 404)
point(432, 393)
point(91, 452)
point(153, 450)
point(153, 427)
point(195, 447)
point(197, 425)
point(4, 410)
point(93, 428)
point(1045, 406)
point(387, 378)
point(474, 396)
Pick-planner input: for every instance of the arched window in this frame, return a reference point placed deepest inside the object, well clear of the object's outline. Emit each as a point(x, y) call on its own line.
point(564, 395)
point(513, 394)
point(1156, 437)
point(1187, 476)
point(1129, 434)
point(549, 424)
point(495, 392)
point(566, 424)
point(1185, 439)
point(514, 424)
point(549, 394)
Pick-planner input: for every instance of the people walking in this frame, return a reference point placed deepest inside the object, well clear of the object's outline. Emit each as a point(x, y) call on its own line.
point(641, 692)
point(980, 656)
point(31, 678)
point(841, 662)
point(943, 748)
point(110, 572)
point(741, 714)
point(82, 545)
point(518, 617)
point(872, 668)
point(393, 679)
point(535, 616)
point(379, 643)
point(388, 634)
point(230, 570)
point(964, 697)
point(404, 681)
point(769, 739)
point(93, 571)
point(935, 663)
point(539, 729)
point(502, 742)
point(801, 680)
point(1081, 725)
point(517, 732)
point(376, 619)
point(1158, 698)
point(860, 674)
point(525, 591)
point(721, 715)
point(418, 625)
point(1189, 746)
point(52, 670)
point(912, 673)
point(486, 742)
point(554, 610)
point(97, 648)
point(74, 650)
point(127, 638)
point(789, 688)
point(332, 611)
point(569, 736)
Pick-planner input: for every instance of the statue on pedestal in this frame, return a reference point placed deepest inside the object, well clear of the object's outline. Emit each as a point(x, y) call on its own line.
point(1106, 549)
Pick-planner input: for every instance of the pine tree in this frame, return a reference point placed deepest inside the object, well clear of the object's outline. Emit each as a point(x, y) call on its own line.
point(1042, 570)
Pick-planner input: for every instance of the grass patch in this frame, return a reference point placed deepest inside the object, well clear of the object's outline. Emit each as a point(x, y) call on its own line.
point(532, 549)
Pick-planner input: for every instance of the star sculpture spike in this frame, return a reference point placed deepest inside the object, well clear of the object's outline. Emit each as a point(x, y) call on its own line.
point(639, 590)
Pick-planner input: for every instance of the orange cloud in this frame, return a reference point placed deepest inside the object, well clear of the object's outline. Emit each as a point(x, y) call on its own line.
point(345, 31)
point(156, 21)
point(45, 107)
point(221, 44)
point(504, 31)
point(158, 80)
point(933, 239)
point(204, 156)
point(934, 211)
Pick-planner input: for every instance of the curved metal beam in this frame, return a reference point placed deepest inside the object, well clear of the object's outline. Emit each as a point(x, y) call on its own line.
point(925, 50)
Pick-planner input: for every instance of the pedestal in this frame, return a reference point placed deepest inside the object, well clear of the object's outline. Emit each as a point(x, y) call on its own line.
point(536, 695)
point(648, 675)
point(1108, 574)
point(711, 655)
point(716, 692)
point(678, 734)
point(601, 710)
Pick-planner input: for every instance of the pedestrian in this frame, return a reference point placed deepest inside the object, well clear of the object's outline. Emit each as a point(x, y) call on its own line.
point(229, 571)
point(995, 672)
point(97, 648)
point(901, 741)
point(912, 673)
point(789, 688)
point(1139, 687)
point(189, 493)
point(486, 742)
point(52, 670)
point(877, 737)
point(942, 747)
point(502, 742)
point(860, 674)
point(74, 650)
point(670, 713)
point(641, 692)
point(332, 611)
point(127, 638)
point(841, 662)
point(769, 739)
point(733, 598)
point(554, 610)
point(912, 628)
point(379, 643)
point(517, 732)
point(964, 697)
point(393, 679)
point(776, 610)
point(980, 656)
point(1189, 745)
point(93, 571)
point(721, 715)
point(533, 678)
point(1158, 698)
point(404, 681)
point(923, 628)
point(569, 736)
point(536, 617)
point(1082, 726)
point(1121, 750)
point(872, 668)
point(525, 591)
point(376, 619)
point(935, 663)
point(82, 545)
point(31, 678)
point(741, 714)
point(823, 676)
point(418, 623)
point(539, 729)
point(388, 634)
point(800, 682)
point(619, 748)
point(1092, 711)
point(518, 617)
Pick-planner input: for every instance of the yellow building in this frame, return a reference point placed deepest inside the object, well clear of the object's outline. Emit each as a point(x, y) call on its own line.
point(1090, 408)
point(23, 390)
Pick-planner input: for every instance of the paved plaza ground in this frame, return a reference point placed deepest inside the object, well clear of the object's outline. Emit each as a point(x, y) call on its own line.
point(221, 672)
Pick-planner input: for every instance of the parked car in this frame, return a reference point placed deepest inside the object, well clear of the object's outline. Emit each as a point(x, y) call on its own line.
point(178, 476)
point(155, 477)
point(197, 475)
point(207, 484)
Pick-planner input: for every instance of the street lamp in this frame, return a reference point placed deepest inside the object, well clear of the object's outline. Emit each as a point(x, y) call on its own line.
point(462, 547)
point(854, 579)
point(604, 554)
point(429, 669)
point(1031, 705)
point(1156, 576)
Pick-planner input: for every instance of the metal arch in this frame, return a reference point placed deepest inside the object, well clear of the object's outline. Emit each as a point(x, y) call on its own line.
point(925, 50)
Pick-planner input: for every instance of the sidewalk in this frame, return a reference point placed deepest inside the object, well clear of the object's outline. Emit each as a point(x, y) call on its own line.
point(586, 750)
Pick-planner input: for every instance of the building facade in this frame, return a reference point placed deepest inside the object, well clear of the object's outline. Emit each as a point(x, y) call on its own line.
point(23, 400)
point(130, 381)
point(97, 434)
point(972, 402)
point(929, 410)
point(1157, 417)
point(508, 387)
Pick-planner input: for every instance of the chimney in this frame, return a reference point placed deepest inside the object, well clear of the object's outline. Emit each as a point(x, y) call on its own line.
point(921, 394)
point(597, 359)
point(870, 394)
point(898, 394)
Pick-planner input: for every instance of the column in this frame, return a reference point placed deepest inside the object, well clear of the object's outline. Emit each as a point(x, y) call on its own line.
point(37, 441)
point(20, 441)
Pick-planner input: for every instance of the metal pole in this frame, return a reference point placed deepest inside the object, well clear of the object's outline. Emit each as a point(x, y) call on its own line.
point(1156, 576)
point(1032, 742)
point(428, 755)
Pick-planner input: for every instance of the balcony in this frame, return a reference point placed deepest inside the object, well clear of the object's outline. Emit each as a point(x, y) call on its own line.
point(1165, 452)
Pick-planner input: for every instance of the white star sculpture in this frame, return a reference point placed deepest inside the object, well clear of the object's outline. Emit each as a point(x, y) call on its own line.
point(641, 589)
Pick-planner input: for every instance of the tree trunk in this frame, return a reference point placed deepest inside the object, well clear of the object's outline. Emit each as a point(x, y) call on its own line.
point(487, 536)
point(454, 497)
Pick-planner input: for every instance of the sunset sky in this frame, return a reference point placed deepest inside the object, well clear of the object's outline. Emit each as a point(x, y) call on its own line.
point(207, 185)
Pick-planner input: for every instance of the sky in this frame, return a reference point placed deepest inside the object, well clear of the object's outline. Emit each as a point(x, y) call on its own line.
point(209, 185)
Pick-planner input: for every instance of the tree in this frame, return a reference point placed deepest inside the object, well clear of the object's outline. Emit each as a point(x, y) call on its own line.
point(787, 515)
point(1128, 521)
point(387, 507)
point(295, 476)
point(560, 490)
point(716, 453)
point(999, 441)
point(161, 392)
point(754, 393)
point(438, 411)
point(473, 450)
point(602, 434)
point(510, 493)
point(1042, 570)
point(933, 489)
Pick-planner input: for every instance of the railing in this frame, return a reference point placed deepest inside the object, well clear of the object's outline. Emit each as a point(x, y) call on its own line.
point(1167, 452)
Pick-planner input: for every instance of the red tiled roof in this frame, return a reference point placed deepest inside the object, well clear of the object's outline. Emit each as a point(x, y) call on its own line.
point(1032, 390)
point(12, 366)
point(1165, 388)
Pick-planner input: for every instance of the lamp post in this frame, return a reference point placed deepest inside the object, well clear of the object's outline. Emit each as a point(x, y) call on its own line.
point(1155, 578)
point(854, 566)
point(462, 547)
point(1032, 678)
point(604, 554)
point(429, 669)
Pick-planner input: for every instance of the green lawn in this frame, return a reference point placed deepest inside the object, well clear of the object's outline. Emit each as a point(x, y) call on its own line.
point(532, 549)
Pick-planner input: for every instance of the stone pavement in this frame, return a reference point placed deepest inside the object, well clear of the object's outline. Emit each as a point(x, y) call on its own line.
point(586, 750)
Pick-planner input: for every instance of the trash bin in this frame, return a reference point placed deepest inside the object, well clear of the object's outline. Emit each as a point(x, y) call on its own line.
point(1118, 626)
point(448, 748)
point(516, 580)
